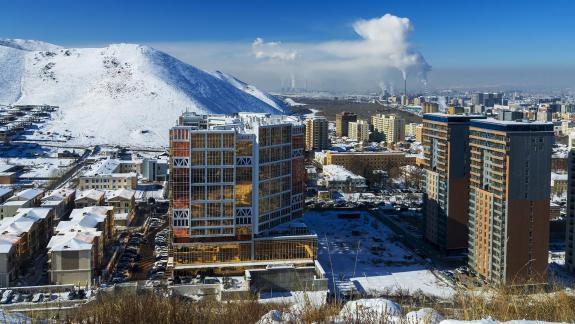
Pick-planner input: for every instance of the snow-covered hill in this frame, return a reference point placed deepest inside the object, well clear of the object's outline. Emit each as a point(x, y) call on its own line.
point(120, 94)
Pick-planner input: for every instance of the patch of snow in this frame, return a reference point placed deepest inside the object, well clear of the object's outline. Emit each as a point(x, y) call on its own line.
point(367, 310)
point(424, 316)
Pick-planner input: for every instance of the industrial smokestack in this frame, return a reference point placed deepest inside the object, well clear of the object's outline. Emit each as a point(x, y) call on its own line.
point(405, 87)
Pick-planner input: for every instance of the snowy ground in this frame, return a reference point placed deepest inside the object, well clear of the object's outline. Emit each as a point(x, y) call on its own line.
point(369, 254)
point(314, 298)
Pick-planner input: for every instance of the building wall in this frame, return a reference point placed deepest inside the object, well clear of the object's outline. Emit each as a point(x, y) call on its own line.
point(109, 182)
point(229, 187)
point(316, 134)
point(391, 126)
point(364, 164)
point(509, 203)
point(342, 121)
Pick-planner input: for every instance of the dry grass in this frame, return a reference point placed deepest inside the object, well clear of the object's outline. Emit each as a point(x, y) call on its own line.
point(502, 305)
point(508, 304)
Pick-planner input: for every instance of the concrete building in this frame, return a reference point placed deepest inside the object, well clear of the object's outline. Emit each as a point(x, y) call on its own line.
point(487, 99)
point(411, 129)
point(509, 200)
point(124, 203)
point(446, 186)
point(22, 238)
point(338, 178)
point(316, 134)
point(23, 199)
point(155, 169)
point(90, 197)
point(76, 251)
point(342, 121)
point(430, 107)
point(358, 131)
point(110, 174)
point(364, 163)
point(237, 181)
point(61, 201)
point(5, 193)
point(391, 126)
point(510, 115)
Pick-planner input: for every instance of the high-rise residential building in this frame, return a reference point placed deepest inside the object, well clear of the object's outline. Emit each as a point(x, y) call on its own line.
point(234, 180)
point(445, 140)
point(570, 221)
point(487, 99)
point(316, 133)
point(391, 126)
point(342, 121)
point(430, 107)
point(358, 131)
point(510, 115)
point(411, 129)
point(509, 200)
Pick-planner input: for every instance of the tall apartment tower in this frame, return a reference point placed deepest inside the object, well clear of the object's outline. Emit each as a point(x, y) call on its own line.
point(359, 131)
point(570, 222)
point(391, 126)
point(445, 140)
point(342, 121)
point(316, 133)
point(509, 200)
point(234, 181)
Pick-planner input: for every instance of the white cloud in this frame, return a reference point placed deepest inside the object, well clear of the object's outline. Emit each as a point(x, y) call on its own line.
point(381, 53)
point(272, 50)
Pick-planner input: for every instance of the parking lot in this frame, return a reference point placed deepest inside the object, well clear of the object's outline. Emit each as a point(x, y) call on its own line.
point(143, 252)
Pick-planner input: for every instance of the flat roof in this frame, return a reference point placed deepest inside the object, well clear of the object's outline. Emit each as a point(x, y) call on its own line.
point(512, 126)
point(440, 117)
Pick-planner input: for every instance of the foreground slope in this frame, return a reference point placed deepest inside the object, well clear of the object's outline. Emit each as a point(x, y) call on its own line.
point(120, 94)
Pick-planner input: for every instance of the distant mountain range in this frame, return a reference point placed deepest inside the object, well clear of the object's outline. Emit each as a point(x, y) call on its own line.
point(120, 94)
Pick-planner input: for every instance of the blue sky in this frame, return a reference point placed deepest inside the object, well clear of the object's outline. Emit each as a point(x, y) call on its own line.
point(452, 35)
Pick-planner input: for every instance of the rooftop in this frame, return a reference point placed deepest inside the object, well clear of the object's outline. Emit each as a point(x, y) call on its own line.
point(451, 118)
point(242, 122)
point(91, 194)
point(513, 126)
point(334, 172)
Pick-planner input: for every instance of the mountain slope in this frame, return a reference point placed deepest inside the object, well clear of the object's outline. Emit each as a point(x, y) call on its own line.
point(120, 94)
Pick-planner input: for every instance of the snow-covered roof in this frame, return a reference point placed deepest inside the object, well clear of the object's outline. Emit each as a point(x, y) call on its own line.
point(72, 241)
point(334, 172)
point(84, 220)
point(103, 167)
point(5, 191)
point(59, 194)
point(91, 194)
point(27, 194)
point(7, 241)
point(23, 221)
point(126, 194)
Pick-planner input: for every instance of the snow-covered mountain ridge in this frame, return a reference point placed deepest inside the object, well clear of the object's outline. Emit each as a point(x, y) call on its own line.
point(120, 94)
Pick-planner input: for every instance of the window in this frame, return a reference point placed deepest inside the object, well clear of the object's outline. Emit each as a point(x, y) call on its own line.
point(214, 140)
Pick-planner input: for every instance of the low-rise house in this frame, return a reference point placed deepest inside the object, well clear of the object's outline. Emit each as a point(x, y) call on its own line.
point(91, 197)
point(77, 249)
point(124, 203)
point(8, 174)
point(24, 199)
point(107, 175)
point(61, 201)
point(22, 237)
point(5, 193)
point(75, 257)
point(338, 178)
